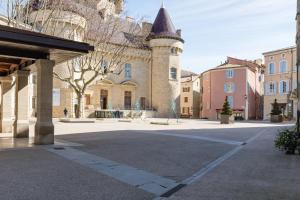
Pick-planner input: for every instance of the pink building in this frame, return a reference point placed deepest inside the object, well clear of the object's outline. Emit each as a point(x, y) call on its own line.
point(241, 81)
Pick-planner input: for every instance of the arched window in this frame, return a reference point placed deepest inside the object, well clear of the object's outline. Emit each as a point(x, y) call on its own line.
point(283, 66)
point(173, 73)
point(272, 68)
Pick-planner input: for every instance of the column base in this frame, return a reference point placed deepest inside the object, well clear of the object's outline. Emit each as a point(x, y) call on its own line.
point(7, 126)
point(44, 133)
point(22, 129)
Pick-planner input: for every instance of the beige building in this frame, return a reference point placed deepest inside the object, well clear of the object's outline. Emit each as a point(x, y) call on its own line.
point(190, 95)
point(281, 81)
point(150, 79)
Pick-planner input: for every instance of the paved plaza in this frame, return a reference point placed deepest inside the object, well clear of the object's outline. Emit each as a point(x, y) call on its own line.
point(192, 159)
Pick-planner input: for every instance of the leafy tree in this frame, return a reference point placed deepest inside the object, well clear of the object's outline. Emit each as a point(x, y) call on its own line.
point(226, 110)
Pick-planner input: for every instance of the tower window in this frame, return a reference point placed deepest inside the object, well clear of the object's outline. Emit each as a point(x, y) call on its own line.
point(173, 73)
point(174, 51)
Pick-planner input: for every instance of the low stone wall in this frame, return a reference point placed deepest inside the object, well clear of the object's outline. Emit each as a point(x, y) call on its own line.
point(128, 114)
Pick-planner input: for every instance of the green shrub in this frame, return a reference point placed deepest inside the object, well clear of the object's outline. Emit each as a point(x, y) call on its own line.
point(226, 110)
point(287, 140)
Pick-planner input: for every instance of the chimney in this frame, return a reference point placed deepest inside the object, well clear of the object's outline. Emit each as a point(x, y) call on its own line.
point(146, 28)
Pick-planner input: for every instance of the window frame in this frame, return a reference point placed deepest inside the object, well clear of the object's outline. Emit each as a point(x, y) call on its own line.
point(229, 73)
point(172, 77)
point(273, 90)
point(274, 68)
point(233, 88)
point(128, 71)
point(282, 89)
point(230, 101)
point(286, 66)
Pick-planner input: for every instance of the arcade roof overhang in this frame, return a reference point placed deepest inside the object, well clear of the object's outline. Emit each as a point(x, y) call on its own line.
point(20, 48)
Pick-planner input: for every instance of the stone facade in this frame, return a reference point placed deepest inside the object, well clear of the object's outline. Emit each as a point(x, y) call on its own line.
point(149, 81)
point(240, 81)
point(281, 81)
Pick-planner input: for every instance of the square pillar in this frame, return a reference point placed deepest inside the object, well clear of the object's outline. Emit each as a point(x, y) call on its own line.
point(21, 122)
point(44, 128)
point(6, 104)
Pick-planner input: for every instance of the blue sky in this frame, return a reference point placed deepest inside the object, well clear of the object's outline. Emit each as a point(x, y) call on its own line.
point(215, 29)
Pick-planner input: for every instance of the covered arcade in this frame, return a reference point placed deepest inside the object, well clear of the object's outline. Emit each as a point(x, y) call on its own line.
point(21, 53)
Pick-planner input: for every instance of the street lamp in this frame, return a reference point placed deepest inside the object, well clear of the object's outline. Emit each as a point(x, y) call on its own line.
point(246, 107)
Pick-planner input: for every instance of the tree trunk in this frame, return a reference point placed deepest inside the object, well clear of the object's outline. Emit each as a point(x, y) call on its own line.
point(78, 106)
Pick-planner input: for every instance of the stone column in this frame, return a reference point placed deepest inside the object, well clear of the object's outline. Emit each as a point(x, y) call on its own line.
point(6, 104)
point(21, 122)
point(44, 128)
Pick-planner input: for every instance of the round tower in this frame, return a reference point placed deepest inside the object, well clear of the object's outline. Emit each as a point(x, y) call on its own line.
point(167, 46)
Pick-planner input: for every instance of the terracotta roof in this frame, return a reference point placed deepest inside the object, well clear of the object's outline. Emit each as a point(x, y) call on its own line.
point(234, 62)
point(163, 26)
point(185, 73)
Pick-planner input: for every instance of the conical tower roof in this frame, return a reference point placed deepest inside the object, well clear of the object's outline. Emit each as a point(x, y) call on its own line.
point(163, 26)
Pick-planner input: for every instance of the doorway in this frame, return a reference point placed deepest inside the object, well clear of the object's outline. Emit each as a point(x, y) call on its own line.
point(127, 100)
point(104, 99)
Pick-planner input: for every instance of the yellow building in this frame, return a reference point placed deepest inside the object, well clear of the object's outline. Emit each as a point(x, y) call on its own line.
point(281, 81)
point(190, 94)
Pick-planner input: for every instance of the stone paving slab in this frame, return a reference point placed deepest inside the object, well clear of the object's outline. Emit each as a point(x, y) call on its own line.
point(175, 158)
point(127, 174)
point(40, 175)
point(257, 172)
point(231, 134)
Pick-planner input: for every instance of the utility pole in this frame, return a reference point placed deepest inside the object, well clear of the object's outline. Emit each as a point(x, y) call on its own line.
point(298, 64)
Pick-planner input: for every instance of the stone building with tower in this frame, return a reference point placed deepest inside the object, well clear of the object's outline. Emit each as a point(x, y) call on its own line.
point(151, 77)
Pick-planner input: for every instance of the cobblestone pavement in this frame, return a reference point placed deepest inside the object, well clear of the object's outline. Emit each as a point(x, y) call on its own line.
point(192, 159)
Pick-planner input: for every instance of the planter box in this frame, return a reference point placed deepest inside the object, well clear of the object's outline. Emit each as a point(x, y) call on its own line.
point(227, 119)
point(276, 118)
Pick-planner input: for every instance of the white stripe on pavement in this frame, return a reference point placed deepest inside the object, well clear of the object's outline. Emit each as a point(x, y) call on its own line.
point(141, 179)
point(198, 175)
point(197, 137)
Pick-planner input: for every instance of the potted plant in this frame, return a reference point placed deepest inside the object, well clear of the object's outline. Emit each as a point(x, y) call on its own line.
point(276, 114)
point(226, 114)
point(287, 140)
